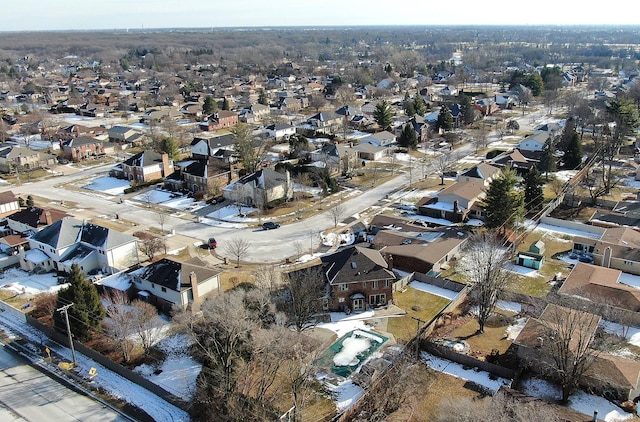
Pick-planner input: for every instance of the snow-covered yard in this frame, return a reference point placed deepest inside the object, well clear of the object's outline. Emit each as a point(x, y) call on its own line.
point(22, 282)
point(109, 185)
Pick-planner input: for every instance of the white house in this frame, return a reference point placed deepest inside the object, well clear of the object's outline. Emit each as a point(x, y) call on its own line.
point(280, 130)
point(534, 142)
point(71, 241)
point(168, 283)
point(380, 139)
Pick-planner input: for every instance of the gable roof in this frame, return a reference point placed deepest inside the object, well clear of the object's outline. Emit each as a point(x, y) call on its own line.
point(481, 171)
point(600, 284)
point(144, 159)
point(355, 264)
point(67, 231)
point(35, 217)
point(467, 190)
point(174, 275)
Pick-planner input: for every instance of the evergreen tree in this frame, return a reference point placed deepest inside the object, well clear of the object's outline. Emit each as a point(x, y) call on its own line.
point(573, 152)
point(548, 162)
point(262, 98)
point(503, 203)
point(87, 311)
point(419, 105)
point(170, 146)
point(409, 109)
point(225, 104)
point(445, 119)
point(210, 105)
point(533, 193)
point(30, 202)
point(408, 138)
point(468, 112)
point(535, 83)
point(383, 115)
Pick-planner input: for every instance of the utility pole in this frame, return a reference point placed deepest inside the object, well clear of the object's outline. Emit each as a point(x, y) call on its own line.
point(64, 310)
point(417, 340)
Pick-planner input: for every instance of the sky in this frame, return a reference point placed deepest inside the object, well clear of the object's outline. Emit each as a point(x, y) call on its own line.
point(43, 15)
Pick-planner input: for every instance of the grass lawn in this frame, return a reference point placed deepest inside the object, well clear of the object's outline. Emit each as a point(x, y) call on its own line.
point(17, 301)
point(493, 337)
point(428, 305)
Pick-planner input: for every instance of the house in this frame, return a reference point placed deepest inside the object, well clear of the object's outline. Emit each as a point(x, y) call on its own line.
point(535, 142)
point(155, 116)
point(617, 247)
point(170, 284)
point(8, 203)
point(14, 157)
point(223, 119)
point(205, 147)
point(280, 130)
point(608, 374)
point(124, 134)
point(202, 175)
point(533, 258)
point(82, 147)
point(419, 248)
point(454, 204)
point(482, 172)
point(71, 241)
point(486, 106)
point(145, 166)
point(32, 219)
point(380, 139)
point(326, 121)
point(357, 279)
point(255, 113)
point(260, 189)
point(370, 152)
point(515, 160)
point(595, 283)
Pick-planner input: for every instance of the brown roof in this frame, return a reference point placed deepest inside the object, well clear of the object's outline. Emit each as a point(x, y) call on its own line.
point(7, 197)
point(619, 371)
point(467, 190)
point(600, 284)
point(427, 252)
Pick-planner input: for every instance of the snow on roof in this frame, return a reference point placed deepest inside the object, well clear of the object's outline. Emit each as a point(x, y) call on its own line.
point(36, 256)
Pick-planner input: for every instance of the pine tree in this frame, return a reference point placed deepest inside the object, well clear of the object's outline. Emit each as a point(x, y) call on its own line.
point(210, 105)
point(408, 138)
point(535, 83)
point(225, 104)
point(30, 202)
point(383, 115)
point(573, 151)
point(87, 311)
point(466, 106)
point(419, 105)
point(533, 193)
point(262, 98)
point(445, 119)
point(503, 204)
point(409, 109)
point(548, 162)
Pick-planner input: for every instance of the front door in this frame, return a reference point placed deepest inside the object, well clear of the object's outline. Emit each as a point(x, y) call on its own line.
point(358, 304)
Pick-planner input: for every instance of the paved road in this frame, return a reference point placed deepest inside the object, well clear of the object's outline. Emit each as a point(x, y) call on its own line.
point(266, 246)
point(28, 395)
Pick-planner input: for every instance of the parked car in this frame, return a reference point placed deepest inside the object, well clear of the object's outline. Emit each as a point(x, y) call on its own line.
point(270, 225)
point(585, 258)
point(212, 243)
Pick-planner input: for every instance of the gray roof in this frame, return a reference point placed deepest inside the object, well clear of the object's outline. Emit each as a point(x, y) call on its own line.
point(144, 159)
point(68, 231)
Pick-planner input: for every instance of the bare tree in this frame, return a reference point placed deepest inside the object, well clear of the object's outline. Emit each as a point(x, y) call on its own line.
point(483, 267)
point(238, 248)
point(119, 323)
point(163, 217)
point(302, 300)
point(337, 213)
point(565, 349)
point(150, 245)
point(147, 324)
point(268, 278)
point(500, 408)
point(444, 163)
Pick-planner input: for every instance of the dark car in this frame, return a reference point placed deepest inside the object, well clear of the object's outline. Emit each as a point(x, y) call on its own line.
point(212, 243)
point(269, 225)
point(585, 258)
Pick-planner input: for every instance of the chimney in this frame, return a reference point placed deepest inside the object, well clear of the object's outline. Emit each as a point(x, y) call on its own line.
point(595, 416)
point(456, 209)
point(193, 280)
point(389, 259)
point(47, 217)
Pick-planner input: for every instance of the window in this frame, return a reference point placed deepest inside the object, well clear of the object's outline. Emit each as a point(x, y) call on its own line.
point(380, 299)
point(387, 283)
point(364, 284)
point(153, 286)
point(164, 289)
point(374, 284)
point(628, 263)
point(343, 287)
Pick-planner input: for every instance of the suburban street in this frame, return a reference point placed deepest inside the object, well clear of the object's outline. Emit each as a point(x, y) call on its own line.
point(28, 395)
point(266, 246)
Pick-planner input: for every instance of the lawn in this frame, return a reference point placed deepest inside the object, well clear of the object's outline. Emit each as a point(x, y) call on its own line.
point(417, 304)
point(493, 338)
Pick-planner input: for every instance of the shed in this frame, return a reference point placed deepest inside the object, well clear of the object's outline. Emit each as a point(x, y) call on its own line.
point(533, 258)
point(537, 247)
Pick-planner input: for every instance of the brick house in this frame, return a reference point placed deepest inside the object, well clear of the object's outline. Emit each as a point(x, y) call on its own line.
point(145, 166)
point(202, 175)
point(454, 204)
point(617, 248)
point(223, 119)
point(82, 147)
point(357, 278)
